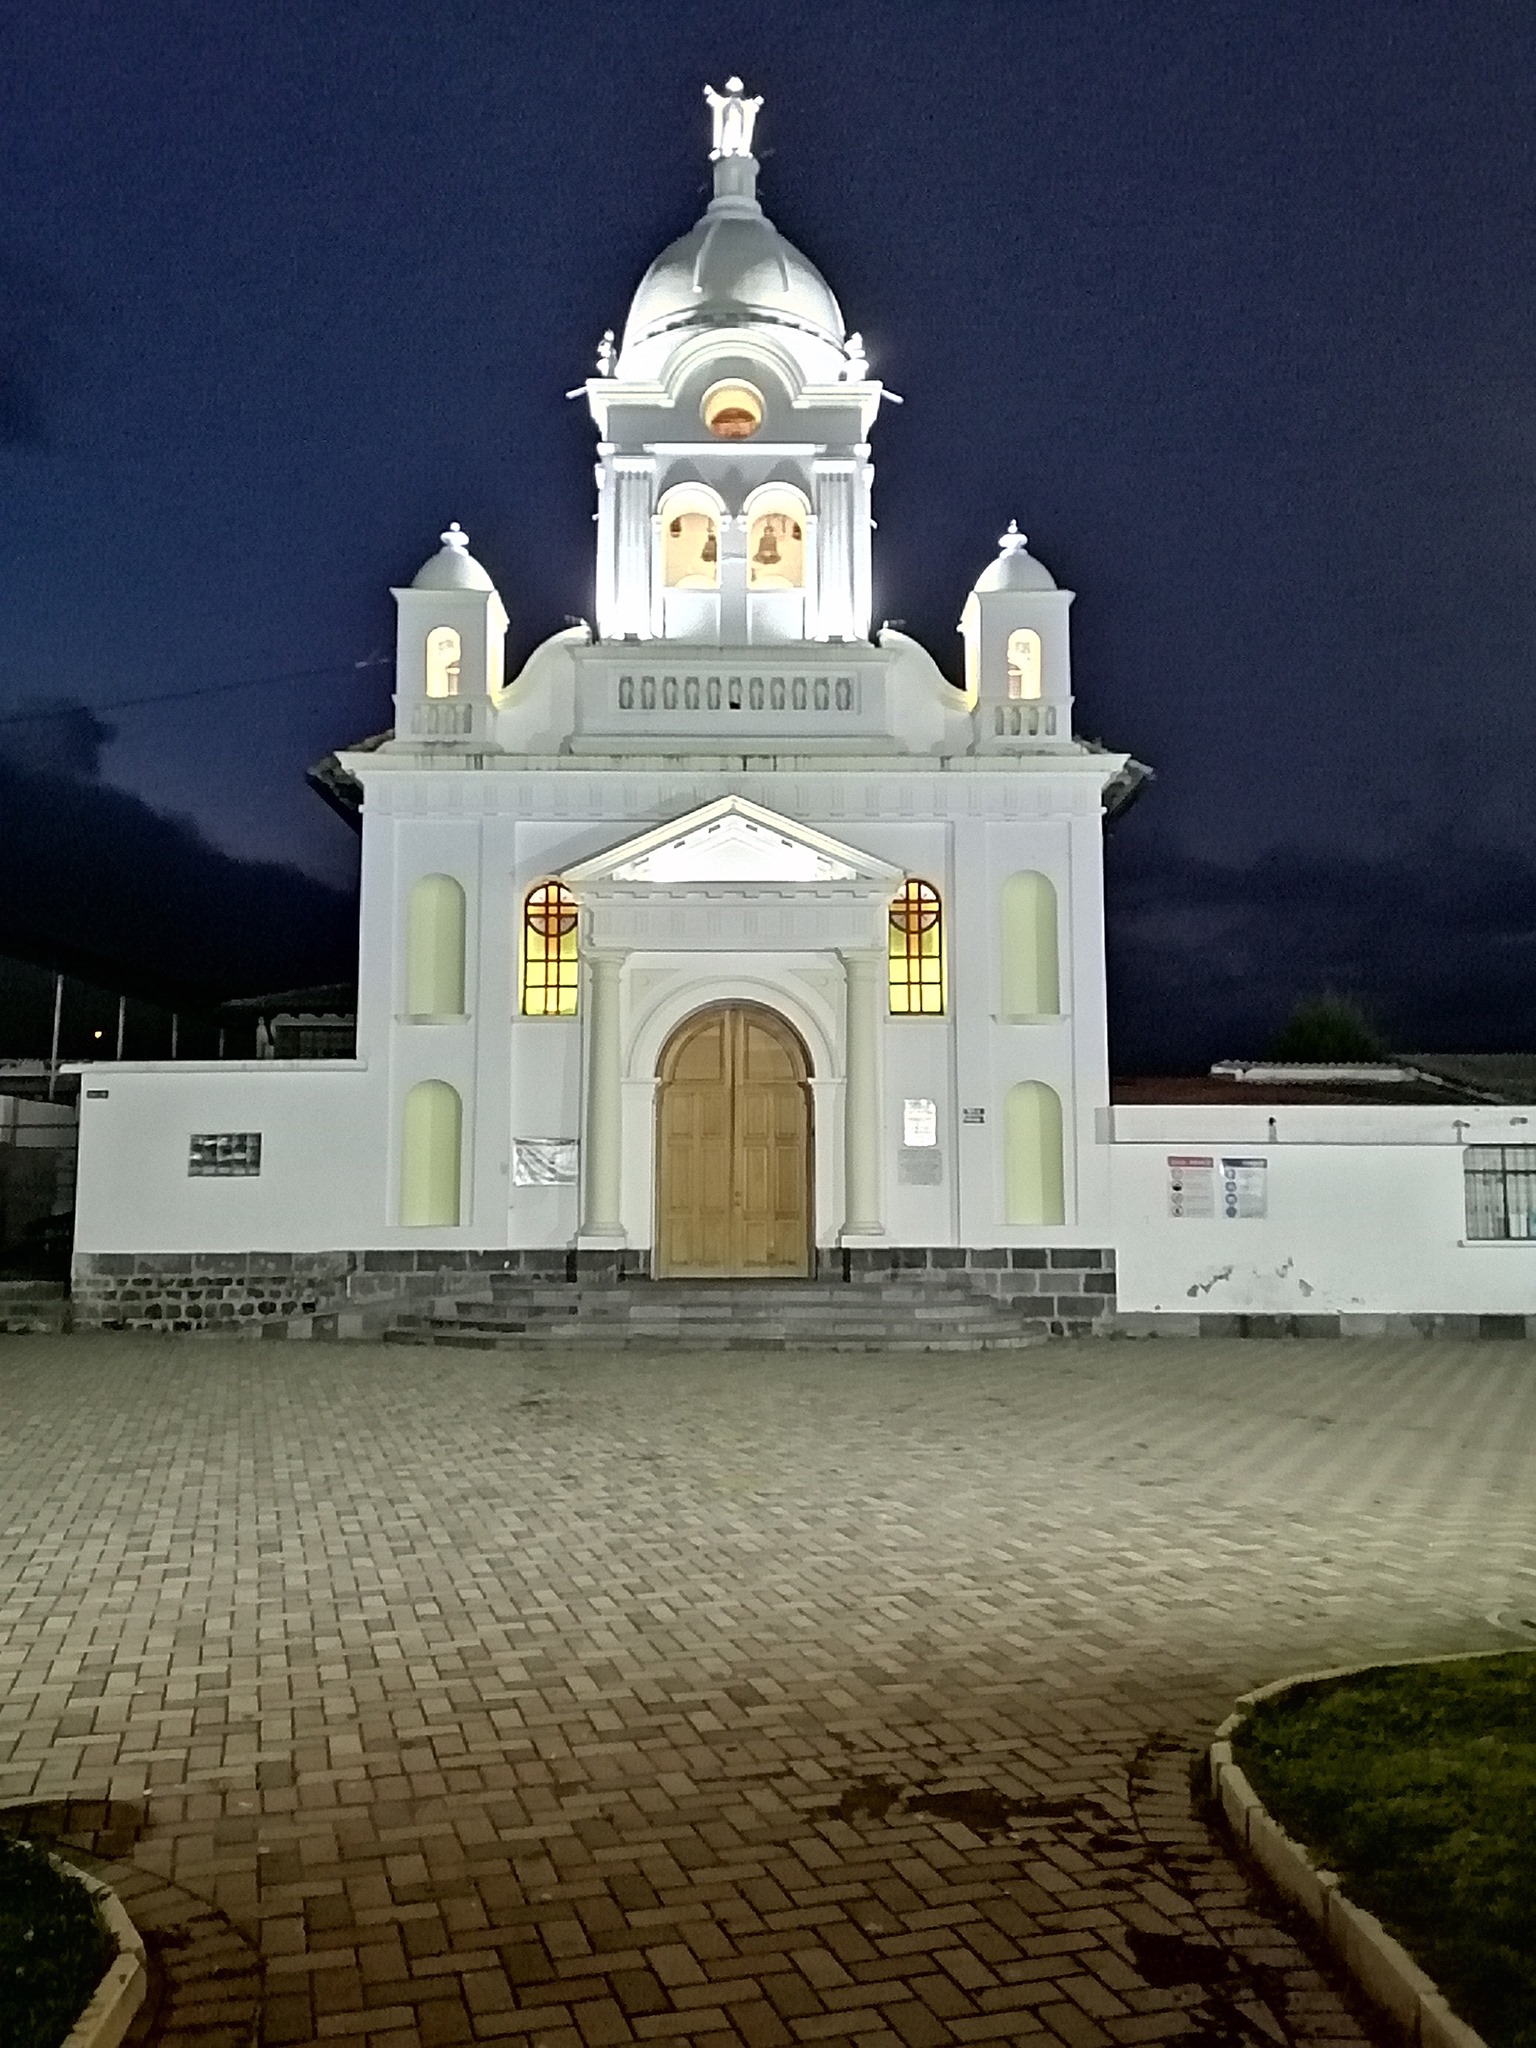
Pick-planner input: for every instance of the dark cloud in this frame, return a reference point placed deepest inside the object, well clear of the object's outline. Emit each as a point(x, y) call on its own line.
point(102, 885)
point(1207, 959)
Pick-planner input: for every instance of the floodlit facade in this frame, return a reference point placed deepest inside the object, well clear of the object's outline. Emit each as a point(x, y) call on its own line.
point(729, 939)
point(728, 932)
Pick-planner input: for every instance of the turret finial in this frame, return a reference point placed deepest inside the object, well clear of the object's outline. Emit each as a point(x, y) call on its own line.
point(455, 537)
point(733, 115)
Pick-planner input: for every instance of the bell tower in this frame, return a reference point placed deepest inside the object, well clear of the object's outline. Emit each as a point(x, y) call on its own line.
point(733, 472)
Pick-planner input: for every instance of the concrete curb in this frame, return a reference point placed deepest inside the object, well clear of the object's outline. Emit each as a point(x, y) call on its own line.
point(1379, 1965)
point(121, 1991)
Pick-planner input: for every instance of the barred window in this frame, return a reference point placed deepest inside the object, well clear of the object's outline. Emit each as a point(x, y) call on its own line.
point(1501, 1190)
point(549, 952)
point(916, 952)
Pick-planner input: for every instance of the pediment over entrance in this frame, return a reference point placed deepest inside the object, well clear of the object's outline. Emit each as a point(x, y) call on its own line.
point(733, 841)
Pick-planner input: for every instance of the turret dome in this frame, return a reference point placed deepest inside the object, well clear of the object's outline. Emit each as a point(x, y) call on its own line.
point(1015, 567)
point(453, 567)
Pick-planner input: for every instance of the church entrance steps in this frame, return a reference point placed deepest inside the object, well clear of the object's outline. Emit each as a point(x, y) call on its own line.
point(916, 1316)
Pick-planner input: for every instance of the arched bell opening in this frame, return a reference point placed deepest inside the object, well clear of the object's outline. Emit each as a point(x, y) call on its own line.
point(734, 1139)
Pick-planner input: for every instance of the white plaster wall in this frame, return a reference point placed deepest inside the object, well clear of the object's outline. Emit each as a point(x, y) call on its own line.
point(323, 1152)
point(1366, 1215)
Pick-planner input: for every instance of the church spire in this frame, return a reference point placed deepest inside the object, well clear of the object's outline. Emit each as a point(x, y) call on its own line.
point(733, 116)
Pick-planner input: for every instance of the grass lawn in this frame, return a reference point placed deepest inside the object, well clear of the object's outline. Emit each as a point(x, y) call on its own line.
point(1418, 1786)
point(53, 1949)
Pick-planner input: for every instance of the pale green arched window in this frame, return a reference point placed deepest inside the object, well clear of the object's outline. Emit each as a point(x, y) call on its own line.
point(430, 1148)
point(1034, 1182)
point(434, 948)
point(1031, 970)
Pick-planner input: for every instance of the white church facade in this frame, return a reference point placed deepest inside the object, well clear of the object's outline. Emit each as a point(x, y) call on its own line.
point(727, 940)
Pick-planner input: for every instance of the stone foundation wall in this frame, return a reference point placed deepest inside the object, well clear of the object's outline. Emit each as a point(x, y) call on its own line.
point(358, 1294)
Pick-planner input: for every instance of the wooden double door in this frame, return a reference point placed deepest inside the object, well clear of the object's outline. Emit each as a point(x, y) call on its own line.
point(733, 1147)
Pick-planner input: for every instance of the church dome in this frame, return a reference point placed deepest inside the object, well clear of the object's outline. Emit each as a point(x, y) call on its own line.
point(453, 567)
point(734, 269)
point(1015, 567)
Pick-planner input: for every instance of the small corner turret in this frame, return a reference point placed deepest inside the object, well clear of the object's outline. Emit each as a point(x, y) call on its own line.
point(1018, 659)
point(450, 648)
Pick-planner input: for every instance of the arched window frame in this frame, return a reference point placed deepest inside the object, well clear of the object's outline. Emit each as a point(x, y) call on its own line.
point(915, 951)
point(1025, 657)
point(435, 916)
point(445, 655)
point(549, 952)
point(431, 1156)
point(784, 501)
point(683, 501)
point(1034, 1157)
point(1029, 916)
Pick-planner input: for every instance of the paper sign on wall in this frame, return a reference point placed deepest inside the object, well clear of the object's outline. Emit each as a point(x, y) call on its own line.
point(1191, 1184)
point(1244, 1187)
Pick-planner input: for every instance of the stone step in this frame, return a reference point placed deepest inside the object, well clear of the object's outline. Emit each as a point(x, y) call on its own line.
point(722, 1337)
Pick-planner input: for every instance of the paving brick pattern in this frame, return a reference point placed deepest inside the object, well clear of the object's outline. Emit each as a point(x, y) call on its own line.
point(785, 1699)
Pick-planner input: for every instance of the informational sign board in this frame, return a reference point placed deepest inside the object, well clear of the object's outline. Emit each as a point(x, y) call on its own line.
point(1244, 1188)
point(1191, 1184)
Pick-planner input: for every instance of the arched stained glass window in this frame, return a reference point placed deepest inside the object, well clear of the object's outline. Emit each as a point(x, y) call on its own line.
point(916, 952)
point(549, 952)
point(442, 662)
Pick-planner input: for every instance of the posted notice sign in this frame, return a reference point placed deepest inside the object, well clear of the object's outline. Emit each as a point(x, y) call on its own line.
point(1191, 1184)
point(1202, 1186)
point(1244, 1187)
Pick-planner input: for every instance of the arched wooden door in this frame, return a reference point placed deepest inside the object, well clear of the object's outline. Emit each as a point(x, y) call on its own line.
point(733, 1148)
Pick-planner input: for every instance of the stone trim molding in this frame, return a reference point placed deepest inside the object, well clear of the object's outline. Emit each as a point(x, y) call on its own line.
point(1381, 1967)
point(121, 1991)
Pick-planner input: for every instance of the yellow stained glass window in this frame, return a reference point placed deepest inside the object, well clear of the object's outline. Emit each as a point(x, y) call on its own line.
point(549, 952)
point(916, 952)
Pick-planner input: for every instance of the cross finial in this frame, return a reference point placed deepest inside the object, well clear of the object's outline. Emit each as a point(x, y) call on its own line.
point(455, 537)
point(733, 116)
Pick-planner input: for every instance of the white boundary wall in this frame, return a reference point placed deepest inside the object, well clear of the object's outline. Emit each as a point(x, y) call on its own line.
point(1365, 1213)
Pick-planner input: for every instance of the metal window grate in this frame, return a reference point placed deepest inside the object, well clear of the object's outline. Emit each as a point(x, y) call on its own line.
point(1500, 1182)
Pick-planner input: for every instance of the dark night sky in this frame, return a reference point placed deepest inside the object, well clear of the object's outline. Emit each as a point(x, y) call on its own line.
point(1230, 305)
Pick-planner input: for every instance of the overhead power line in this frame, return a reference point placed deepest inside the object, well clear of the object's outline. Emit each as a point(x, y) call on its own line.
point(294, 675)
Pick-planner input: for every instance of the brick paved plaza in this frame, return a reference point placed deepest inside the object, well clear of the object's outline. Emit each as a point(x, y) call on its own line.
point(446, 1698)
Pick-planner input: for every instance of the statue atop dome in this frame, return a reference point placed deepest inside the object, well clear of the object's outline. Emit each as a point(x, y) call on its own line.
point(733, 116)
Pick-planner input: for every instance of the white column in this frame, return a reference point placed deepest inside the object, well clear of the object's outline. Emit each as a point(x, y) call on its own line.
point(835, 607)
point(603, 1150)
point(632, 545)
point(865, 974)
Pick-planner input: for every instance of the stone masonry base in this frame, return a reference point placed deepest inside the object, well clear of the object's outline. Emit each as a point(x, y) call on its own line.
point(1067, 1291)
